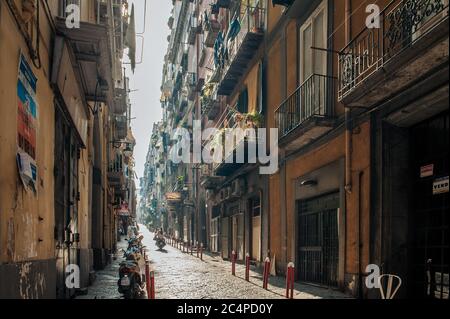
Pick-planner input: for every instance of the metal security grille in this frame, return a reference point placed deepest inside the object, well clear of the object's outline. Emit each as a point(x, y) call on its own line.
point(430, 232)
point(318, 240)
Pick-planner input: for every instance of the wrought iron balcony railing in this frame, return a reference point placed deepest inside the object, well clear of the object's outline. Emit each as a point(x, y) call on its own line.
point(308, 101)
point(401, 24)
point(239, 45)
point(235, 130)
point(121, 126)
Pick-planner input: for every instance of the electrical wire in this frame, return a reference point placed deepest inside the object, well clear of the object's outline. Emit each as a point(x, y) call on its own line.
point(34, 53)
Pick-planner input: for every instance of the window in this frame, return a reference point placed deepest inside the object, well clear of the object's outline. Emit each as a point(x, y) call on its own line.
point(313, 33)
point(313, 63)
point(242, 105)
point(255, 206)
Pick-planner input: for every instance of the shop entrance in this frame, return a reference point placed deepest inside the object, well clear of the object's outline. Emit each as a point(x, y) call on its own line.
point(429, 234)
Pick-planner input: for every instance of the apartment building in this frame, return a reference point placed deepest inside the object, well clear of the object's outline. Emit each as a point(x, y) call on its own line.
point(359, 97)
point(65, 118)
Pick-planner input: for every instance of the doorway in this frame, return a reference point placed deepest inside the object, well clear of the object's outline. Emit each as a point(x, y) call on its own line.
point(429, 158)
point(66, 196)
point(255, 230)
point(318, 240)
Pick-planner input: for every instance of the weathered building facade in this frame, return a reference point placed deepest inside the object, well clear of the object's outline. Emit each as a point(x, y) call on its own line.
point(360, 102)
point(65, 116)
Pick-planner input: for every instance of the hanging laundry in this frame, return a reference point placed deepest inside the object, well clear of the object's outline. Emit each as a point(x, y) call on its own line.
point(234, 29)
point(130, 40)
point(218, 49)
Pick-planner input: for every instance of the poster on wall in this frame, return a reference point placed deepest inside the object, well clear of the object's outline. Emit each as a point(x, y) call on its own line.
point(27, 115)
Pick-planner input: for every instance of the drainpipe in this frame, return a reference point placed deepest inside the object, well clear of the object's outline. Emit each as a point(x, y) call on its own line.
point(358, 235)
point(348, 119)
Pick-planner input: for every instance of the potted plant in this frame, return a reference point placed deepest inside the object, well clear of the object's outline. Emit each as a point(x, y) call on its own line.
point(256, 119)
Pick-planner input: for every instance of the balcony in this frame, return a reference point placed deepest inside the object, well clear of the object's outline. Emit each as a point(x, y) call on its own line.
point(241, 49)
point(190, 84)
point(116, 174)
point(211, 31)
point(411, 42)
point(306, 114)
point(235, 143)
point(210, 102)
point(193, 30)
point(121, 126)
point(93, 58)
point(208, 180)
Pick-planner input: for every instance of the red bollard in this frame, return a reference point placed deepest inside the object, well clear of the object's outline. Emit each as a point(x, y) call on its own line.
point(266, 273)
point(147, 279)
point(201, 251)
point(290, 281)
point(196, 248)
point(233, 263)
point(152, 285)
point(247, 267)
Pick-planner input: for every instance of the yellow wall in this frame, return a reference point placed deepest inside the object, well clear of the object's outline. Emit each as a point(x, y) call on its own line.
point(274, 14)
point(273, 78)
point(20, 228)
point(321, 156)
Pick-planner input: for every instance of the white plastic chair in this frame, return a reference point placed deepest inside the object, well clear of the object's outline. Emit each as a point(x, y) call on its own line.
point(389, 293)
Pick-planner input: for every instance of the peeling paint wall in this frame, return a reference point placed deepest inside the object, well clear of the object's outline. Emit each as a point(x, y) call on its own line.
point(26, 219)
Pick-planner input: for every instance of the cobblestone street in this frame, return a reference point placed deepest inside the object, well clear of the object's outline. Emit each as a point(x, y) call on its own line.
point(179, 275)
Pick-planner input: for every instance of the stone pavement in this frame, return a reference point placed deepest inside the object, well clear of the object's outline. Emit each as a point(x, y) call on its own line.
point(179, 275)
point(105, 284)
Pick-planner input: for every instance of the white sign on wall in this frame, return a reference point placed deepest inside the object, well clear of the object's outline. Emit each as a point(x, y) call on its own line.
point(441, 186)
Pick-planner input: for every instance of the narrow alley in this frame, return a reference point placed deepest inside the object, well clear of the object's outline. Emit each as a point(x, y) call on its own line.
point(181, 275)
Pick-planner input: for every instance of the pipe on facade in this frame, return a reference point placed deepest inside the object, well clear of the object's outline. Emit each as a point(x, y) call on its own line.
point(348, 117)
point(358, 234)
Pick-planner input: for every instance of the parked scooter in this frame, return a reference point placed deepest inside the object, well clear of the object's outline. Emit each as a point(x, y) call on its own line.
point(130, 281)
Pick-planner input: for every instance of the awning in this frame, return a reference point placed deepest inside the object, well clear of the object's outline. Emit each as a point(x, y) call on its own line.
point(123, 210)
point(173, 197)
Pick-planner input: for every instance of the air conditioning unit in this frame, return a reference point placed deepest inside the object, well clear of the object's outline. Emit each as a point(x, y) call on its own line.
point(228, 192)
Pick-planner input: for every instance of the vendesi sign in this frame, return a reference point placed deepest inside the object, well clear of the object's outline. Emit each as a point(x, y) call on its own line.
point(441, 186)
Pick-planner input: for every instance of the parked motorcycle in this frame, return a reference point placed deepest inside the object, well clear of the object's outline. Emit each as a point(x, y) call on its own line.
point(130, 281)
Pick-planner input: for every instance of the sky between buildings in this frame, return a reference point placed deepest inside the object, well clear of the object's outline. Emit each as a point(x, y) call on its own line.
point(145, 105)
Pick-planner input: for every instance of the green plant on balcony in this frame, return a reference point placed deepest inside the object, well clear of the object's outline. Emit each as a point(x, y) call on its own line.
point(256, 119)
point(248, 120)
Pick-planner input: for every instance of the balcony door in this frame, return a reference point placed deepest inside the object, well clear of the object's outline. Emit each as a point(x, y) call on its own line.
point(313, 63)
